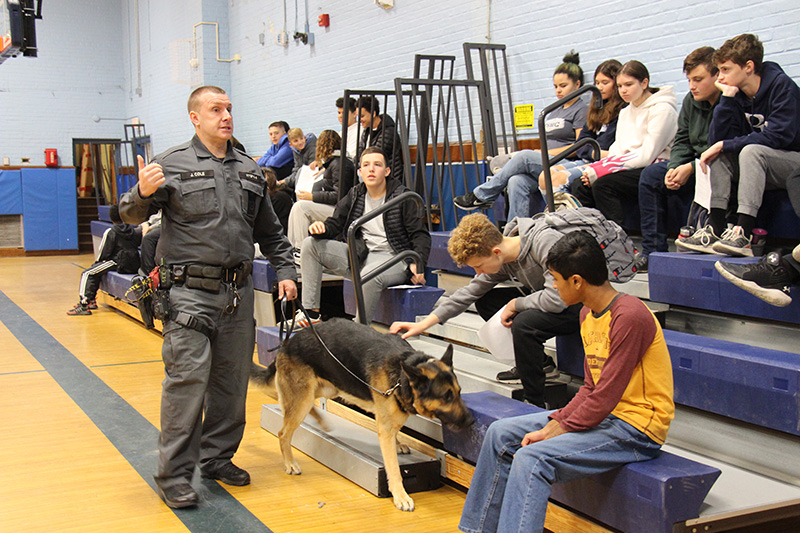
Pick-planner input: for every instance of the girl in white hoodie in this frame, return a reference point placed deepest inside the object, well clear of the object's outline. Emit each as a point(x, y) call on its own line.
point(645, 131)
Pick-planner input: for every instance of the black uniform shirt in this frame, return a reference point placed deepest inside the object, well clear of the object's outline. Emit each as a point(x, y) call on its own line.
point(213, 210)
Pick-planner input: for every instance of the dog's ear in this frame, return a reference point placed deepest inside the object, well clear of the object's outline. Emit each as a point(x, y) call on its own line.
point(447, 358)
point(412, 372)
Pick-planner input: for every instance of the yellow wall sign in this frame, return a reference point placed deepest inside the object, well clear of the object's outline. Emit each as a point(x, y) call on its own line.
point(523, 116)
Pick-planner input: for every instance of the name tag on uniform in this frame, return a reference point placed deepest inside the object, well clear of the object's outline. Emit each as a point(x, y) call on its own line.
point(251, 176)
point(197, 174)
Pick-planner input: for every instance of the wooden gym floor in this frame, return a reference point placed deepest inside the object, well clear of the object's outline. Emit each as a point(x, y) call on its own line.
point(79, 414)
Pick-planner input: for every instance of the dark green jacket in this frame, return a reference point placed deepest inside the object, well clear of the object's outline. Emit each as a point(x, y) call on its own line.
point(692, 137)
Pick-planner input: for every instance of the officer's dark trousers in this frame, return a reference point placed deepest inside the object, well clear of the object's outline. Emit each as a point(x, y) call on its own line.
point(205, 383)
point(529, 331)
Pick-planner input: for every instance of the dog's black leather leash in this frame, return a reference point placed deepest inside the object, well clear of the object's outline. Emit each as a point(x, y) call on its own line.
point(289, 329)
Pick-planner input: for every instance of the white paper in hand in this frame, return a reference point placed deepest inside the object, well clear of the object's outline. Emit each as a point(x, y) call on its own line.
point(497, 339)
point(702, 186)
point(306, 178)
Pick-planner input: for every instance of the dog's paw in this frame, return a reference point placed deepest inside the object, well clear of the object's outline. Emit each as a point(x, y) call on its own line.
point(403, 449)
point(293, 469)
point(404, 502)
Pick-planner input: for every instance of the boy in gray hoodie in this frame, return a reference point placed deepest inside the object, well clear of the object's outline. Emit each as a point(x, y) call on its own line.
point(533, 310)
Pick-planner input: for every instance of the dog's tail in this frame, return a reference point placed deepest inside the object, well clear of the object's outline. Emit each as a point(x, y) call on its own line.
point(263, 375)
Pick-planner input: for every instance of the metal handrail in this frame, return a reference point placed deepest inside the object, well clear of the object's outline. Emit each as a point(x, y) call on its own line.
point(355, 265)
point(546, 161)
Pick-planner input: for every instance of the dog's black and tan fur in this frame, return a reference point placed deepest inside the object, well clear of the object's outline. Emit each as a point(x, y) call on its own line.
point(304, 371)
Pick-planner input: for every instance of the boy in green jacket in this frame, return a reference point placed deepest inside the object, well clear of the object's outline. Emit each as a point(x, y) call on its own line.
point(676, 177)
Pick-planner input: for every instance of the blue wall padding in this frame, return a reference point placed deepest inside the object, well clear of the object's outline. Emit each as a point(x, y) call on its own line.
point(10, 192)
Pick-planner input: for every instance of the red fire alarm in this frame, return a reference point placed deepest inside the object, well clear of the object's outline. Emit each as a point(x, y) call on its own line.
point(51, 157)
point(324, 20)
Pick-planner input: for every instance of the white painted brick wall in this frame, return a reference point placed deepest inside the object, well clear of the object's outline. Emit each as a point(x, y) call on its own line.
point(48, 100)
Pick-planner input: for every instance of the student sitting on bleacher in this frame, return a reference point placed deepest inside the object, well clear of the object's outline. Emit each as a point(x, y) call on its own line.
point(151, 233)
point(318, 204)
point(676, 177)
point(520, 174)
point(281, 202)
point(400, 228)
point(279, 157)
point(304, 148)
point(352, 124)
point(119, 250)
point(601, 125)
point(755, 136)
point(380, 131)
point(620, 415)
point(645, 131)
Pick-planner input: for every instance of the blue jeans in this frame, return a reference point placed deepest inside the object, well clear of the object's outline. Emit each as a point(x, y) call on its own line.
point(653, 197)
point(511, 485)
point(521, 177)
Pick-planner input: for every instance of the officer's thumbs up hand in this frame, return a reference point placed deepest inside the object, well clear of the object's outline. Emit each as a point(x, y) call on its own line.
point(150, 177)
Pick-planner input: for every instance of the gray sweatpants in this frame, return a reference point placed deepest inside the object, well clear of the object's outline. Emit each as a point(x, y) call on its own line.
point(318, 255)
point(302, 215)
point(205, 383)
point(756, 168)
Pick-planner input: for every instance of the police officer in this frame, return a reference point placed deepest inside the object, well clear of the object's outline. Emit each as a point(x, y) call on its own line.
point(214, 205)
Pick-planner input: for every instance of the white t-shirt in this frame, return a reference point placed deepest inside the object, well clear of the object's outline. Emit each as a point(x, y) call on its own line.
point(373, 231)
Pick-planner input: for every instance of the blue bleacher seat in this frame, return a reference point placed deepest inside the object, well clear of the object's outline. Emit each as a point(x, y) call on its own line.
point(569, 352)
point(644, 497)
point(103, 212)
point(440, 259)
point(690, 280)
point(267, 341)
point(396, 304)
point(116, 284)
point(777, 216)
point(99, 227)
point(752, 384)
point(264, 275)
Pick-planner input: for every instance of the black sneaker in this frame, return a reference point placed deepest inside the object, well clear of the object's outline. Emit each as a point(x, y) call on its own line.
point(79, 310)
point(641, 262)
point(229, 474)
point(509, 376)
point(92, 304)
point(769, 279)
point(550, 369)
point(470, 202)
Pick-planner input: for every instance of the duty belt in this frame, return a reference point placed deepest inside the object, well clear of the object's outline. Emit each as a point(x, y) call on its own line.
point(209, 277)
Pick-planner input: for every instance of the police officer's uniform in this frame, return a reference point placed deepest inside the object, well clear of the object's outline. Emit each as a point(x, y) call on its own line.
point(213, 211)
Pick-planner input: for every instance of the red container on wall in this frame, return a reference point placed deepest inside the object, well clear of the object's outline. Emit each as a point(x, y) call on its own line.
point(51, 157)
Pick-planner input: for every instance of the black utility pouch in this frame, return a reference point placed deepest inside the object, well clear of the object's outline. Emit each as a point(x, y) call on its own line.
point(206, 284)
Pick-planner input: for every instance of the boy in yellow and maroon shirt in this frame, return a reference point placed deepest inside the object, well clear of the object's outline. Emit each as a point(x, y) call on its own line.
point(620, 415)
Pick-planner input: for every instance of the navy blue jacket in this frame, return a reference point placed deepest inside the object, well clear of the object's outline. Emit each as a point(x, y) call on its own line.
point(770, 119)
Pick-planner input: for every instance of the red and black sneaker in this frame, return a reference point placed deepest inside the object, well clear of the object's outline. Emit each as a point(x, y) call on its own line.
point(78, 310)
point(92, 304)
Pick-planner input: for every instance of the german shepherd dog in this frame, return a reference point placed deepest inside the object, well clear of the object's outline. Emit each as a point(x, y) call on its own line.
point(303, 371)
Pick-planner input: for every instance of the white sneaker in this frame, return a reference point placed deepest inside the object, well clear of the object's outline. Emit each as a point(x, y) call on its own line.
point(301, 320)
point(796, 253)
